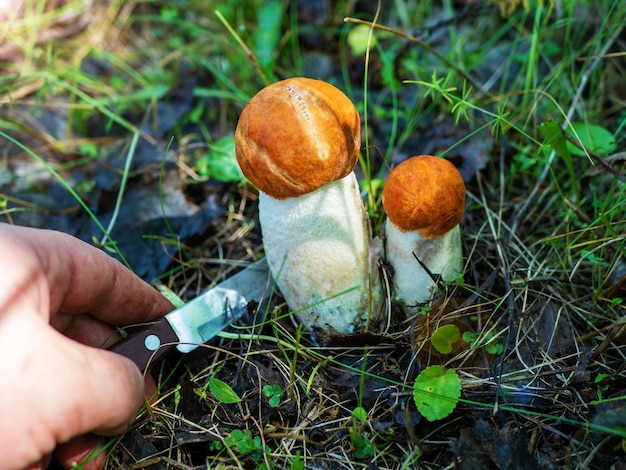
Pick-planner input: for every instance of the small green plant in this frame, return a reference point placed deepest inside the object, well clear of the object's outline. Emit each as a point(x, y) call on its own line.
point(592, 258)
point(444, 337)
point(358, 39)
point(275, 393)
point(592, 137)
point(221, 162)
point(177, 395)
point(601, 387)
point(487, 340)
point(298, 462)
point(603, 382)
point(362, 444)
point(215, 446)
point(220, 390)
point(555, 140)
point(245, 444)
point(424, 309)
point(436, 393)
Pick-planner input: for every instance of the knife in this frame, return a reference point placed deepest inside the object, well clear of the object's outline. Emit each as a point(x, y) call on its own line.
point(198, 320)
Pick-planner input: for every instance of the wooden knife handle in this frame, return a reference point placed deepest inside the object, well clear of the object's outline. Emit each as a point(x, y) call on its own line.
point(148, 343)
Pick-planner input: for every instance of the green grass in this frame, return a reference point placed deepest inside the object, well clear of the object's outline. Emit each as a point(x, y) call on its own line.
point(496, 87)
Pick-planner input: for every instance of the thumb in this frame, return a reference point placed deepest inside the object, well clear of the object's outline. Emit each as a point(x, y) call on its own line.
point(87, 449)
point(100, 391)
point(60, 389)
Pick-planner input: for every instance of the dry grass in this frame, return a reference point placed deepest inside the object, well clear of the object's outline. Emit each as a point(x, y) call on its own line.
point(537, 402)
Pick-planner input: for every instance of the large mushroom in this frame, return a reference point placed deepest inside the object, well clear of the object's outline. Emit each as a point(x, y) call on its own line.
point(424, 198)
point(298, 141)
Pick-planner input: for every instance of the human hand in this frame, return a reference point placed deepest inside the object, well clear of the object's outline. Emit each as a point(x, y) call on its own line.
point(59, 390)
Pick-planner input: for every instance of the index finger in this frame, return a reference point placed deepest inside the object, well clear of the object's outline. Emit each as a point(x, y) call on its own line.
point(83, 279)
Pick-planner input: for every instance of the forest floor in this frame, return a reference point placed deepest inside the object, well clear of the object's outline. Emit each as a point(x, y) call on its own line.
point(117, 122)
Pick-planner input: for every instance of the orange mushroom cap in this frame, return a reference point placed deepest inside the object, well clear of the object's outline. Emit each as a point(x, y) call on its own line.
point(296, 135)
point(425, 194)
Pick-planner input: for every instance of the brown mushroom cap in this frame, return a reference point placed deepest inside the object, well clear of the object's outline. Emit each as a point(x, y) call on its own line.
point(296, 135)
point(425, 194)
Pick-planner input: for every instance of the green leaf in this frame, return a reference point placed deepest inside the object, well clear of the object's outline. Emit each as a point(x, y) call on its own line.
point(388, 71)
point(600, 377)
point(444, 337)
point(477, 340)
point(360, 414)
point(215, 446)
point(177, 396)
point(436, 393)
point(270, 390)
point(222, 391)
point(470, 337)
point(592, 258)
point(593, 137)
point(358, 37)
point(243, 441)
point(274, 392)
point(274, 401)
point(494, 348)
point(221, 162)
point(364, 447)
point(298, 462)
point(555, 138)
point(267, 33)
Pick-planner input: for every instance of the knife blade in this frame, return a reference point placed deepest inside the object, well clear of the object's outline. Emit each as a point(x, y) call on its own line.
point(198, 320)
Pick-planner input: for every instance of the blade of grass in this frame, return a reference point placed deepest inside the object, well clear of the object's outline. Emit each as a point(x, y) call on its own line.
point(120, 193)
point(69, 189)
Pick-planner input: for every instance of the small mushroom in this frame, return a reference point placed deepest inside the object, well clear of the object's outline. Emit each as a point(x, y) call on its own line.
point(298, 141)
point(424, 198)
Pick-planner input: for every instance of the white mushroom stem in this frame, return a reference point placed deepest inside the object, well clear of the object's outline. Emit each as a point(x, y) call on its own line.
point(318, 249)
point(442, 256)
point(424, 197)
